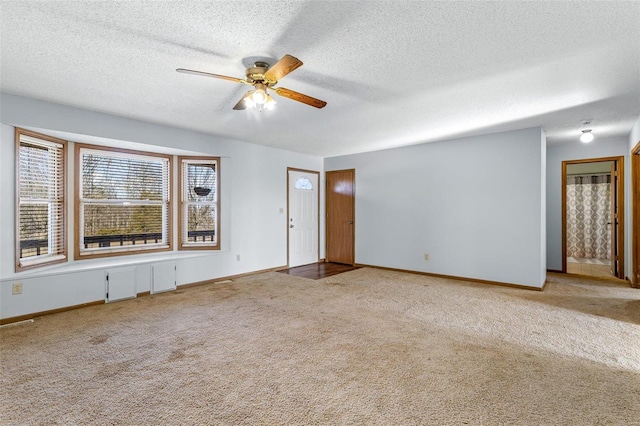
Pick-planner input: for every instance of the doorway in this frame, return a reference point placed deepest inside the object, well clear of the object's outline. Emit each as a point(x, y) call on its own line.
point(593, 217)
point(303, 217)
point(340, 207)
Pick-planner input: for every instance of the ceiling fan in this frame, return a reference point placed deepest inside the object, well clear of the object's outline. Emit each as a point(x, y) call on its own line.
point(263, 77)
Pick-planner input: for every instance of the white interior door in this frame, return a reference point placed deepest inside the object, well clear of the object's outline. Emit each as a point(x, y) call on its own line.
point(303, 217)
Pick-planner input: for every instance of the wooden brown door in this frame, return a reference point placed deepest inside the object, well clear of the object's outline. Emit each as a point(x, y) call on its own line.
point(635, 237)
point(340, 209)
point(617, 219)
point(614, 221)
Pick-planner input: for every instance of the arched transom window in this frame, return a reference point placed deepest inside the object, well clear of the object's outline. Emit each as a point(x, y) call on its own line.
point(303, 183)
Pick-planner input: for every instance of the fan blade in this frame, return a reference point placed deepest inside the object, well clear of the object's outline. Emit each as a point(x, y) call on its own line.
point(299, 97)
point(241, 103)
point(208, 74)
point(283, 67)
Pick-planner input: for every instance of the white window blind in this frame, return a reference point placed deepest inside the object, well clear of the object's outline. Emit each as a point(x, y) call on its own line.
point(199, 203)
point(123, 202)
point(41, 199)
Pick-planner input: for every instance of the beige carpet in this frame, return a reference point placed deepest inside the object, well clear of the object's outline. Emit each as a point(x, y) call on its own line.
point(363, 347)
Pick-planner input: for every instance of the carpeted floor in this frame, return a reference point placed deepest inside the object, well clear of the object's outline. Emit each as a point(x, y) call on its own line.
point(363, 347)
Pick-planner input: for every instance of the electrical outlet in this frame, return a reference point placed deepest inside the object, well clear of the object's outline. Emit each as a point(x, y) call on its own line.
point(17, 288)
point(237, 258)
point(426, 256)
point(281, 210)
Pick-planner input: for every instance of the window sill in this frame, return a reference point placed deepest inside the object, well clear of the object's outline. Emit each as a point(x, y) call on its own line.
point(83, 265)
point(41, 262)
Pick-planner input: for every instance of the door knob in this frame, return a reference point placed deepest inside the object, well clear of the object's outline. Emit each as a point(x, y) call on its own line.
point(350, 222)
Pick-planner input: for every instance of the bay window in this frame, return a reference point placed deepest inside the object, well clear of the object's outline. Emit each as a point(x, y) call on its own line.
point(199, 203)
point(40, 200)
point(122, 202)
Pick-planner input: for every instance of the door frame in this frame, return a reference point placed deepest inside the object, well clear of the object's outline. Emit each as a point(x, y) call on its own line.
point(635, 215)
point(293, 169)
point(353, 207)
point(619, 160)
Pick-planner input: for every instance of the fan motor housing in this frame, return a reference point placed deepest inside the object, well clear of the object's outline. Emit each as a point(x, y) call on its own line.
point(256, 72)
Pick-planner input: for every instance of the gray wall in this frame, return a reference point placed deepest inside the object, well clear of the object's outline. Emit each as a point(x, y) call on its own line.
point(556, 154)
point(476, 205)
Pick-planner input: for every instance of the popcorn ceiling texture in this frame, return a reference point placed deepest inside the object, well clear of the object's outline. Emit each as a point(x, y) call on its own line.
point(393, 73)
point(363, 347)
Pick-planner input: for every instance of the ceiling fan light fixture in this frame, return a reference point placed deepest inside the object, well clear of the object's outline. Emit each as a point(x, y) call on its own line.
point(262, 77)
point(586, 136)
point(270, 104)
point(249, 102)
point(259, 96)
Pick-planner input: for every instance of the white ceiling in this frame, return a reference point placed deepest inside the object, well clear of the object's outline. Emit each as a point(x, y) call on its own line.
point(393, 73)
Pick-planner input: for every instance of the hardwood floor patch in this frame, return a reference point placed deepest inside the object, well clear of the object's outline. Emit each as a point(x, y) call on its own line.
point(316, 271)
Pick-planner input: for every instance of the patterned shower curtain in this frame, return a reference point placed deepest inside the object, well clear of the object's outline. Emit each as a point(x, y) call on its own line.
point(588, 215)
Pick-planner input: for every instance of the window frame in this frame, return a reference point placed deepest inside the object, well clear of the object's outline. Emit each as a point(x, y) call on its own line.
point(182, 204)
point(77, 203)
point(63, 256)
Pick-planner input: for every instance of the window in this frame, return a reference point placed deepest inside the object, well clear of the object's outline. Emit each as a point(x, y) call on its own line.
point(303, 183)
point(122, 202)
point(40, 215)
point(199, 203)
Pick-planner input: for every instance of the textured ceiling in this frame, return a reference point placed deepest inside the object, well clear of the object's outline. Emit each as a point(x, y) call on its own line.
point(393, 73)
